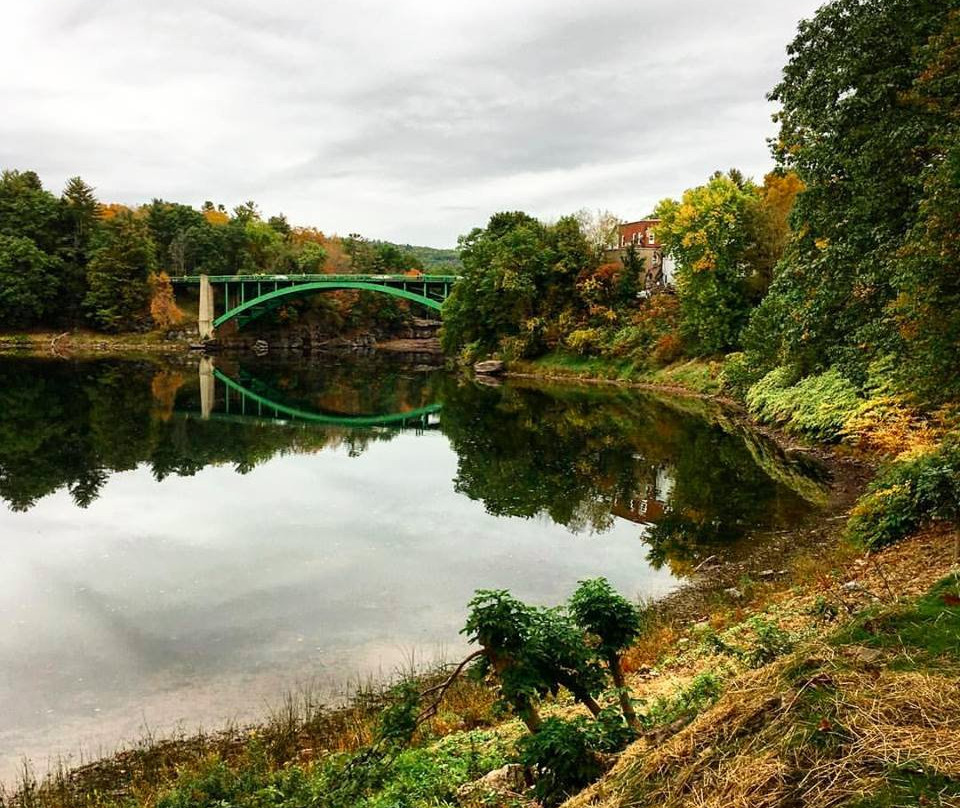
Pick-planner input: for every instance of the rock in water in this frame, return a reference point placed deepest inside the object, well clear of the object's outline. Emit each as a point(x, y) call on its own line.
point(490, 367)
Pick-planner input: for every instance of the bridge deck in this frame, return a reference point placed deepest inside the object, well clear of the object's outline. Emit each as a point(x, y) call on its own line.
point(430, 279)
point(246, 297)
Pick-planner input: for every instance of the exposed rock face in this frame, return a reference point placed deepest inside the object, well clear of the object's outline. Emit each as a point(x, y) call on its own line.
point(416, 336)
point(490, 366)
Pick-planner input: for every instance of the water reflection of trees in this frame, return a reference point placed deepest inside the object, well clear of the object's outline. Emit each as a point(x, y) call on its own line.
point(583, 457)
point(73, 424)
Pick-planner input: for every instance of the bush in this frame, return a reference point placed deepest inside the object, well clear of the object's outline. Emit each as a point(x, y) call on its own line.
point(417, 776)
point(771, 642)
point(818, 406)
point(398, 721)
point(585, 340)
point(563, 755)
point(668, 348)
point(908, 494)
point(740, 372)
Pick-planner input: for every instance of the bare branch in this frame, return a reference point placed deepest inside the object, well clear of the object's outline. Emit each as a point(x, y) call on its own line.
point(442, 688)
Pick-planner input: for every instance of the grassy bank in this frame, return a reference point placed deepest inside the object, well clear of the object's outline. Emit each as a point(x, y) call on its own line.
point(693, 376)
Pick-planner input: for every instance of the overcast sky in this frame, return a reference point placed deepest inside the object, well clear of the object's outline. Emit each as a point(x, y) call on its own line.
point(409, 120)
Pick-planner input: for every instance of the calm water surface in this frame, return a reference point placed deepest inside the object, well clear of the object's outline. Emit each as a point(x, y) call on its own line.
point(181, 544)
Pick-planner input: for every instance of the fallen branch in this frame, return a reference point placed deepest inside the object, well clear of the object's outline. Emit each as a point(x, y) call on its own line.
point(442, 688)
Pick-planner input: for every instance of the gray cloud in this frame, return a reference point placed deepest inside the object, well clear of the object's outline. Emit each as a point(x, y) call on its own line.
point(409, 120)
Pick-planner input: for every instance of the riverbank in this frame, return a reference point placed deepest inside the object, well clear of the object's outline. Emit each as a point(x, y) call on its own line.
point(699, 377)
point(90, 343)
point(737, 700)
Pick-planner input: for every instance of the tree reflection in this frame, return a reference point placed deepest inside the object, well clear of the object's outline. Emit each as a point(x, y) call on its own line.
point(584, 457)
point(581, 457)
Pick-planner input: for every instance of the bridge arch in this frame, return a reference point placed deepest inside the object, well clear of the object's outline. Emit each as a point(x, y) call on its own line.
point(258, 305)
point(419, 416)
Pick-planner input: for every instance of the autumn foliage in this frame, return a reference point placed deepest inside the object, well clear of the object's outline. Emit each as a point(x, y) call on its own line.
point(163, 306)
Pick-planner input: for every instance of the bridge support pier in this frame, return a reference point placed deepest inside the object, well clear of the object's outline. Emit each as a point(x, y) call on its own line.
point(208, 387)
point(205, 319)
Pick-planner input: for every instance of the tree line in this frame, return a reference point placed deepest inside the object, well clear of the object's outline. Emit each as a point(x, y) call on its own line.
point(844, 259)
point(69, 261)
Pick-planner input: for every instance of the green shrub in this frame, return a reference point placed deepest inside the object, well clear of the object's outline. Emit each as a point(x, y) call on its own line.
point(740, 372)
point(251, 783)
point(432, 775)
point(585, 340)
point(398, 720)
point(414, 777)
point(563, 755)
point(908, 494)
point(817, 406)
point(771, 642)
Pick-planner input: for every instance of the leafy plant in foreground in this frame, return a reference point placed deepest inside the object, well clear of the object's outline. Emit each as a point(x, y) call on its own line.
point(615, 623)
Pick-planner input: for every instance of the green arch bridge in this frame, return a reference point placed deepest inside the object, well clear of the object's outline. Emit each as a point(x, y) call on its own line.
point(248, 399)
point(245, 297)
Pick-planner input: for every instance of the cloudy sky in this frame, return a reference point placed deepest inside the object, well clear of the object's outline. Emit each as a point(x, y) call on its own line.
point(408, 120)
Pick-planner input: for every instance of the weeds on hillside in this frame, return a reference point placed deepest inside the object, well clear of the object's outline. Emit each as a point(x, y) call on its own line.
point(906, 495)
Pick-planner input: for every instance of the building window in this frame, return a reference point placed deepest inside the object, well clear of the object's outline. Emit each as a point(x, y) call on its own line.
point(651, 237)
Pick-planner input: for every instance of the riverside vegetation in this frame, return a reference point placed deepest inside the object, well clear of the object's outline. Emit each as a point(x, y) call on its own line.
point(825, 300)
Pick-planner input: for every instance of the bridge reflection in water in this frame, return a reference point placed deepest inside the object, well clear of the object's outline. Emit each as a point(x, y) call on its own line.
point(251, 400)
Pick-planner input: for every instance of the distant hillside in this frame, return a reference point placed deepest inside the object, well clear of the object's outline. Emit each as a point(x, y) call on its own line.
point(434, 259)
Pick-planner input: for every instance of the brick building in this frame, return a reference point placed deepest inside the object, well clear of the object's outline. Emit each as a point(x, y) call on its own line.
point(642, 235)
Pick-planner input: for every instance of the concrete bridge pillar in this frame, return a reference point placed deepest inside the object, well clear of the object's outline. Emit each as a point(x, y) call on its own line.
point(208, 388)
point(205, 319)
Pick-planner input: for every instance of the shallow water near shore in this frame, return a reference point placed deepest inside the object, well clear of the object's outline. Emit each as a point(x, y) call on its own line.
point(183, 542)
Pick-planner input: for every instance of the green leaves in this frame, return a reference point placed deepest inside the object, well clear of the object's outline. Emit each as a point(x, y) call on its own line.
point(498, 621)
point(853, 128)
point(517, 273)
point(604, 613)
point(564, 757)
point(708, 234)
point(28, 282)
point(906, 495)
point(118, 274)
point(534, 652)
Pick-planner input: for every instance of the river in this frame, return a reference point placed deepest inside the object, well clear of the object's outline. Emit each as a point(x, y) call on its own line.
point(183, 543)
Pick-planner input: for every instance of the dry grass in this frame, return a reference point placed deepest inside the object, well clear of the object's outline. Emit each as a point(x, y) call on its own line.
point(822, 727)
point(773, 740)
point(652, 646)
